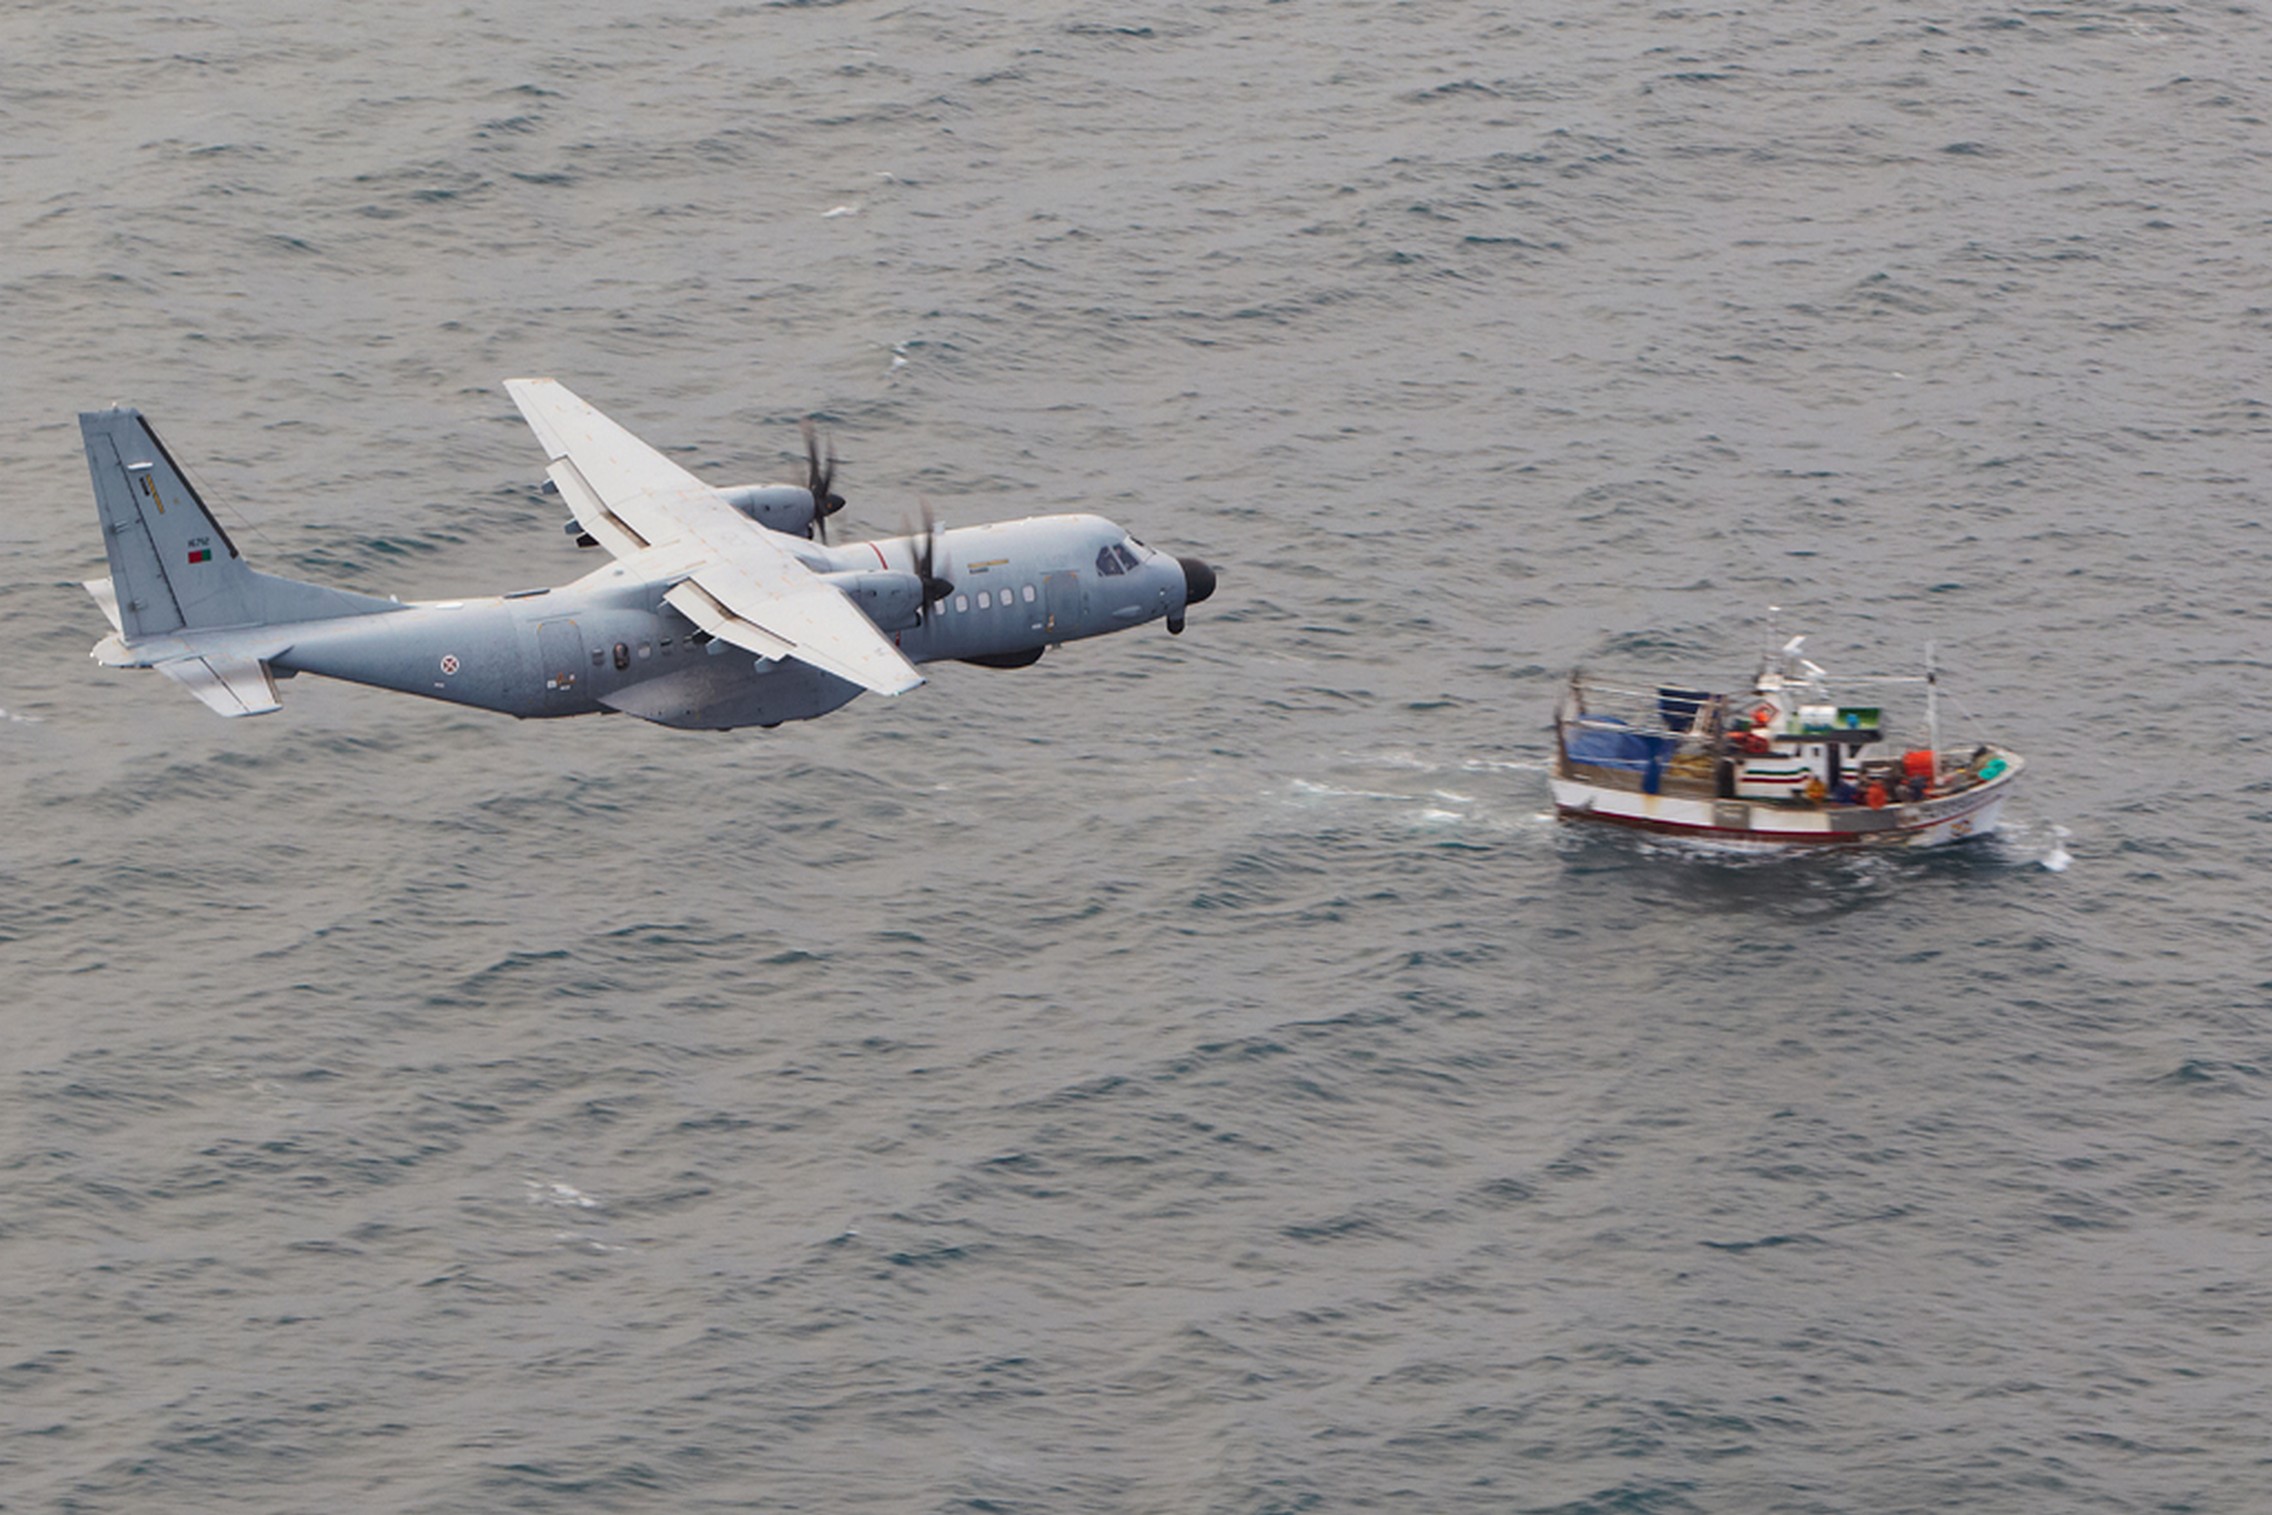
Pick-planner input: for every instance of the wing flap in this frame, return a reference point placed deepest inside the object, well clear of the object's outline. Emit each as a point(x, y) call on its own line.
point(584, 503)
point(611, 471)
point(814, 622)
point(710, 613)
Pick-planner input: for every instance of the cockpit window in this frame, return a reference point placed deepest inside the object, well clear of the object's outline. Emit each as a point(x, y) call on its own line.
point(1117, 559)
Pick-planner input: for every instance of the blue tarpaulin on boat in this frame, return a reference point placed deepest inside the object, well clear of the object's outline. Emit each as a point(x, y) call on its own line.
point(1678, 707)
point(1607, 742)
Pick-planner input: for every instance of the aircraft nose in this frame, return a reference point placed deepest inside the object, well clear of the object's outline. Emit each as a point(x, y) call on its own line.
point(1198, 580)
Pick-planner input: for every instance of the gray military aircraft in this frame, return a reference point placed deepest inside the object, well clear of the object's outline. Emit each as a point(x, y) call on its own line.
point(722, 607)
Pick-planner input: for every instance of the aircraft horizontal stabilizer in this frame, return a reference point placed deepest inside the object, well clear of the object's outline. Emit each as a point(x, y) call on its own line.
point(106, 595)
point(228, 686)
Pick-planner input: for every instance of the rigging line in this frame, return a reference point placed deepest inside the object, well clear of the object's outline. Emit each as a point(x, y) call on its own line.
point(1958, 700)
point(215, 503)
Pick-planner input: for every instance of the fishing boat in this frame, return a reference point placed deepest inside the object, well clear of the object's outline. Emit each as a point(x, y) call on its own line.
point(1797, 760)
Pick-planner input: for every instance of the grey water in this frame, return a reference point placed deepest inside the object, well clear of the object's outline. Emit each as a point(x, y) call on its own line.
point(1194, 1073)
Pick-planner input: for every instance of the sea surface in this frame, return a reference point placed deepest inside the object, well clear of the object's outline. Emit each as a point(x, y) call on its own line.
point(1194, 1074)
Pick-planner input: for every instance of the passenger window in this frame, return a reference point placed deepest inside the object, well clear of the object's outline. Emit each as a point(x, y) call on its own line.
point(1029, 594)
point(622, 655)
point(983, 601)
point(646, 650)
point(599, 656)
point(962, 602)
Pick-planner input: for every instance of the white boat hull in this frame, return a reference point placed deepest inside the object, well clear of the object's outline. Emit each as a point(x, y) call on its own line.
point(1969, 813)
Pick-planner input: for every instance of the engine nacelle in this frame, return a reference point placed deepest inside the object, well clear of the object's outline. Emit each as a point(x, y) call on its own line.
point(894, 601)
point(785, 508)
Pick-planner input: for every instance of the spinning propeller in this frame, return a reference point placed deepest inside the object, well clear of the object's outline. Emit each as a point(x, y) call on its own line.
point(926, 552)
point(818, 476)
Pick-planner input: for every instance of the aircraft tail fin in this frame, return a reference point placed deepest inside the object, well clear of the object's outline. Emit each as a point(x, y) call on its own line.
point(174, 574)
point(172, 566)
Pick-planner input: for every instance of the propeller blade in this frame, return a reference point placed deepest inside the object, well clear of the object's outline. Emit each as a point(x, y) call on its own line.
point(935, 583)
point(819, 475)
point(925, 550)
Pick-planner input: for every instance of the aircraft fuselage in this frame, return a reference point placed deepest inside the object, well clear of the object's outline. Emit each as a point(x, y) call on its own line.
point(607, 641)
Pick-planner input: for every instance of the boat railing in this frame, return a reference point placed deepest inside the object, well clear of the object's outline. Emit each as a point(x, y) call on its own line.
point(1691, 715)
point(1655, 739)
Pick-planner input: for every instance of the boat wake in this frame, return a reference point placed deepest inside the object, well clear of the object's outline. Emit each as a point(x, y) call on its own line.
point(2057, 859)
point(1431, 810)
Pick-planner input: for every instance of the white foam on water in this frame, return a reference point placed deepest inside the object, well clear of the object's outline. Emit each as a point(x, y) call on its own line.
point(555, 1193)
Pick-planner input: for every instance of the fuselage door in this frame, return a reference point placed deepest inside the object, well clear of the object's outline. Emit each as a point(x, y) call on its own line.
point(560, 651)
point(1061, 604)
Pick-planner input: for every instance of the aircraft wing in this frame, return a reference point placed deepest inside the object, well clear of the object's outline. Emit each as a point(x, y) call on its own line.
point(732, 577)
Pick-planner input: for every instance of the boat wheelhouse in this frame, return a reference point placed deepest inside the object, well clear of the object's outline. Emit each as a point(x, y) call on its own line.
point(1790, 762)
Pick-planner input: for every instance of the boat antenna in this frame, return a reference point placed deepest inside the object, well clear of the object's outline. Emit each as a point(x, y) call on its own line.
point(1933, 713)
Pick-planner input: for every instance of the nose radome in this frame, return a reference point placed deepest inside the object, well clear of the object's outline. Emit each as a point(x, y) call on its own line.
point(1198, 580)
